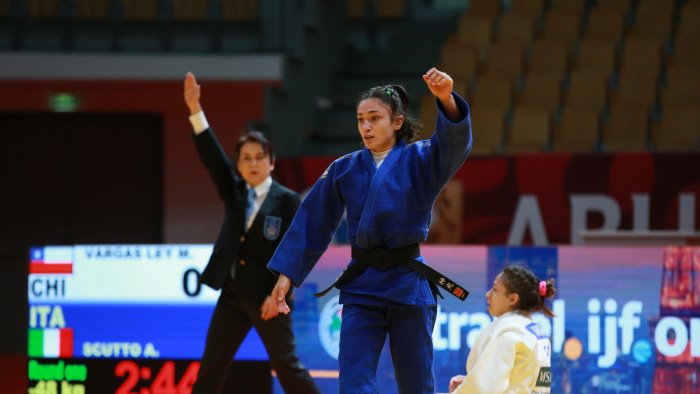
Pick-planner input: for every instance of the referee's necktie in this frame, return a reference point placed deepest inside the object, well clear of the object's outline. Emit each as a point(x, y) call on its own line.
point(250, 201)
point(249, 207)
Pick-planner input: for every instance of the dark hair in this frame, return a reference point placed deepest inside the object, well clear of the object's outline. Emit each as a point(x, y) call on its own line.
point(255, 136)
point(522, 281)
point(396, 98)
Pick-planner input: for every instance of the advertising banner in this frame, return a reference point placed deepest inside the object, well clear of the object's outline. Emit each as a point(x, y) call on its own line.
point(133, 318)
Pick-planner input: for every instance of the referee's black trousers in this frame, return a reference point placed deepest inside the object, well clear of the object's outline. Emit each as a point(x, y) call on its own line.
point(230, 323)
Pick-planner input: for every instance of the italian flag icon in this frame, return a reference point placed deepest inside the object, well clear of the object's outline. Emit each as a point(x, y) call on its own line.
point(50, 342)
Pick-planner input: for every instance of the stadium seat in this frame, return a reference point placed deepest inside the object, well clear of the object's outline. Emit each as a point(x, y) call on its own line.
point(189, 10)
point(542, 92)
point(588, 90)
point(461, 60)
point(488, 8)
point(636, 89)
point(91, 9)
point(505, 61)
point(653, 22)
point(686, 52)
point(623, 6)
point(530, 131)
point(679, 129)
point(531, 8)
point(626, 129)
point(604, 25)
point(562, 27)
point(641, 56)
point(682, 88)
point(494, 93)
point(239, 10)
point(596, 56)
point(140, 10)
point(355, 8)
point(428, 113)
point(461, 86)
point(690, 19)
point(548, 57)
point(516, 30)
point(578, 130)
point(488, 129)
point(42, 9)
point(390, 8)
point(475, 32)
point(664, 3)
point(573, 6)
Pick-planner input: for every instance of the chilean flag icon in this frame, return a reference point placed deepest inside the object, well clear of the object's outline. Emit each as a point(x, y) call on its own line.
point(51, 260)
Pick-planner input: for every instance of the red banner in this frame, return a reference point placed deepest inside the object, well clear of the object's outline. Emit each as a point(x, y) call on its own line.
point(550, 198)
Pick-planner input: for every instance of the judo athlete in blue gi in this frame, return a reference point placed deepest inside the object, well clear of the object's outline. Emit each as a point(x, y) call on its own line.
point(388, 189)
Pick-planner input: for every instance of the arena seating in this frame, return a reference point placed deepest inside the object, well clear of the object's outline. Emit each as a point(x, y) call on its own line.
point(611, 75)
point(622, 71)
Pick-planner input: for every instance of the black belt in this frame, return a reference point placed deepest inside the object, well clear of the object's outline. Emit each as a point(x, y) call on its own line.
point(388, 258)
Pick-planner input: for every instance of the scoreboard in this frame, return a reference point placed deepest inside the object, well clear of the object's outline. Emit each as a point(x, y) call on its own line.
point(120, 319)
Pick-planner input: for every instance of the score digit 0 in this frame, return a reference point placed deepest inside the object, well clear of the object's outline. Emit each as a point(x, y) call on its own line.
point(187, 281)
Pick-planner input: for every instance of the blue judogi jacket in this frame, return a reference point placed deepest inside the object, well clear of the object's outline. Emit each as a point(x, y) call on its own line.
point(388, 207)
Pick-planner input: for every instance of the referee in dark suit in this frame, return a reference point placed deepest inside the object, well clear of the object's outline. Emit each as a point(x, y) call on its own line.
point(258, 212)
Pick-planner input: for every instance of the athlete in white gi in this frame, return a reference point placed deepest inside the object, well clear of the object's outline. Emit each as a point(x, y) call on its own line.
point(512, 354)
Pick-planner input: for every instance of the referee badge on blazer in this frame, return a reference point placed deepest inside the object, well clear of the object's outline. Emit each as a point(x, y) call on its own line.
point(272, 227)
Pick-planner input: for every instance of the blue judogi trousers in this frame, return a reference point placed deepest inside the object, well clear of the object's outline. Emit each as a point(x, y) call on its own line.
point(362, 336)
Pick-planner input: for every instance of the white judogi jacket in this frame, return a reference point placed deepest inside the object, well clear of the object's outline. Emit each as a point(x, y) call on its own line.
point(512, 355)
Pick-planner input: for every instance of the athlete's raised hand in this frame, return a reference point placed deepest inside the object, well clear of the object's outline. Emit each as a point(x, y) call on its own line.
point(440, 84)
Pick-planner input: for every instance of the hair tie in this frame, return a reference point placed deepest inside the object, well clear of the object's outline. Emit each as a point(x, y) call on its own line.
point(543, 288)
